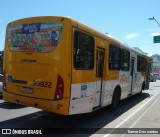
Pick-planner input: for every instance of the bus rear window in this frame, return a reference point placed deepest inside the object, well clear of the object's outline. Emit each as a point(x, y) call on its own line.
point(35, 37)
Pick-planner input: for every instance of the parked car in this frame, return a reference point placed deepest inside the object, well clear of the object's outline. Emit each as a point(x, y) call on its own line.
point(152, 77)
point(157, 75)
point(1, 79)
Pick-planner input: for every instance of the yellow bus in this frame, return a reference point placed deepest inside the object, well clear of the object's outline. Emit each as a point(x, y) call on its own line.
point(63, 66)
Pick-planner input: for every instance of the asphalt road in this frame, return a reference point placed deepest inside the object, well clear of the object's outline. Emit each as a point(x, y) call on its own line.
point(139, 111)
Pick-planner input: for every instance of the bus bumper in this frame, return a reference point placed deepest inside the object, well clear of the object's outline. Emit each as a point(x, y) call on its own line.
point(59, 107)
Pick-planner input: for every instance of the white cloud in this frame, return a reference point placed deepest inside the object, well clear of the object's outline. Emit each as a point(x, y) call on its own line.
point(131, 35)
point(155, 33)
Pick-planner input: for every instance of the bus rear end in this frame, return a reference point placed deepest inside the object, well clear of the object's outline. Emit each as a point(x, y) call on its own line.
point(36, 70)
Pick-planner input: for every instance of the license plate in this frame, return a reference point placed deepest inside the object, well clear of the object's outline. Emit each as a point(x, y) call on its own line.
point(27, 89)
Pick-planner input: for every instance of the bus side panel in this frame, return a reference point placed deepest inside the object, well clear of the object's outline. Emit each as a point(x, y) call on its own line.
point(107, 93)
point(124, 83)
point(81, 100)
point(84, 83)
point(82, 86)
point(110, 77)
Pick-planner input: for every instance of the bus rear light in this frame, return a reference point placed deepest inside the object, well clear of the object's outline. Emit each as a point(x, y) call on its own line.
point(59, 88)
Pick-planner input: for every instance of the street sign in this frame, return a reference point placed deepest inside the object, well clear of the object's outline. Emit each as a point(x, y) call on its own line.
point(156, 39)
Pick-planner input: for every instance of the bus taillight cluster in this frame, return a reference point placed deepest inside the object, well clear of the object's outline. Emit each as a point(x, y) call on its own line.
point(59, 88)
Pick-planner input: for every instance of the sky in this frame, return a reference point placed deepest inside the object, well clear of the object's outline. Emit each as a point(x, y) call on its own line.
point(125, 20)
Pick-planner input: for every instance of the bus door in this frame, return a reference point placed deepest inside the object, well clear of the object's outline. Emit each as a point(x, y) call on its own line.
point(132, 77)
point(99, 76)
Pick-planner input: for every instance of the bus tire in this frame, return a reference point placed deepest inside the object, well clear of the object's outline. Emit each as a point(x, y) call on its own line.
point(142, 88)
point(115, 98)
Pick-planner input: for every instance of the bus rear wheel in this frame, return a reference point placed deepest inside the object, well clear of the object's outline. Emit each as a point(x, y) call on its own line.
point(142, 88)
point(115, 98)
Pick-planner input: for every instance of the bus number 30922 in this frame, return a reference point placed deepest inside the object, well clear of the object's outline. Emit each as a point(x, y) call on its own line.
point(42, 84)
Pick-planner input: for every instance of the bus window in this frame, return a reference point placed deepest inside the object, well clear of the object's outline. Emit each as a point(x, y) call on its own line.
point(83, 51)
point(35, 37)
point(114, 57)
point(125, 60)
point(140, 63)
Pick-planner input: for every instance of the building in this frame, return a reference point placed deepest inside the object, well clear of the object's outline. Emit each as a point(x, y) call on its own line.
point(155, 63)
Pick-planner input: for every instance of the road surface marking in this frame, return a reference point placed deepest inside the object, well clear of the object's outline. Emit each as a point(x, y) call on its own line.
point(144, 112)
point(142, 115)
point(130, 116)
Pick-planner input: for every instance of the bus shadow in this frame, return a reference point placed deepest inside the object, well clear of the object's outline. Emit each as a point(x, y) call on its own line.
point(92, 122)
point(6, 105)
point(104, 116)
point(15, 122)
